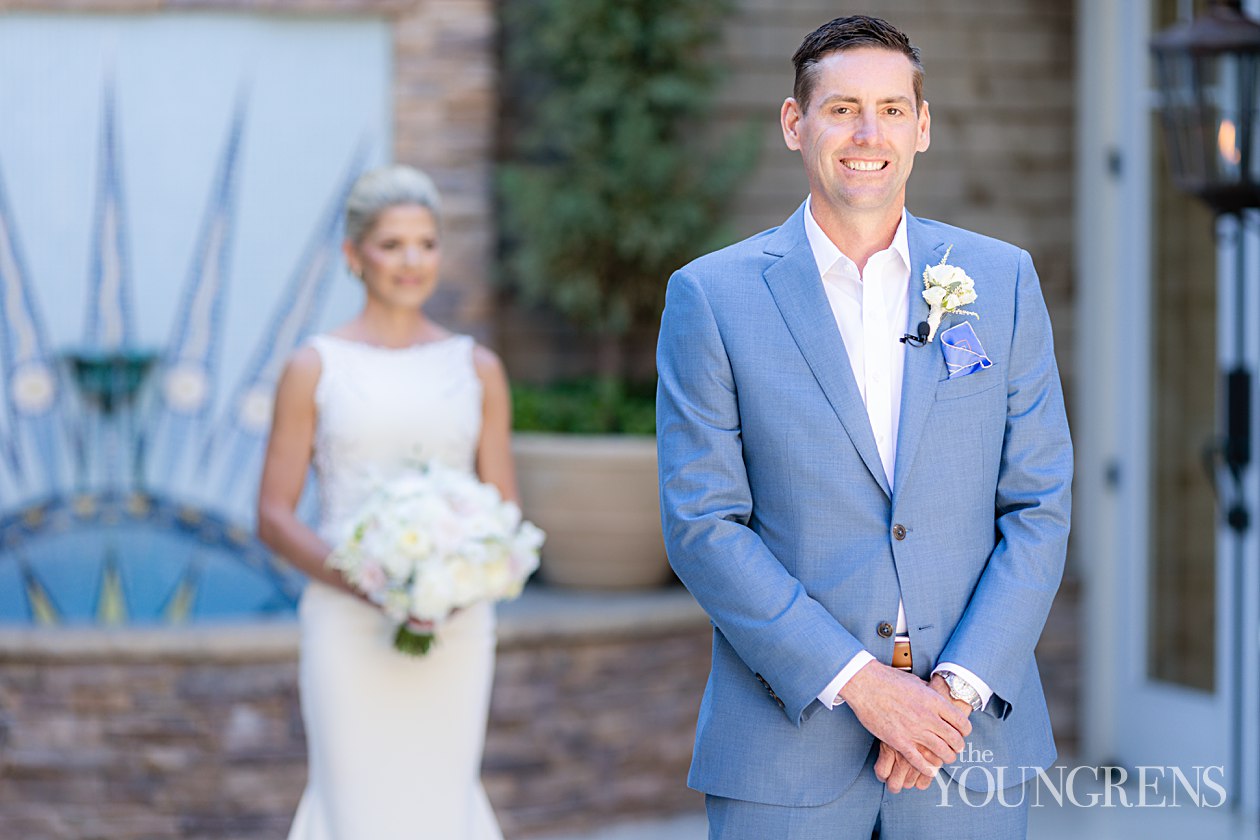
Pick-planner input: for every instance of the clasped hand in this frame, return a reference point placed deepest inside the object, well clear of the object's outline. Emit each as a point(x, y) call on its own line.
point(419, 625)
point(919, 726)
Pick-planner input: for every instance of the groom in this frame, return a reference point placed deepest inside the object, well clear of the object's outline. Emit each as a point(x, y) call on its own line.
point(876, 527)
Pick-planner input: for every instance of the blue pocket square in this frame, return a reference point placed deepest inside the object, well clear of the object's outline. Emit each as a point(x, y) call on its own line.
point(963, 352)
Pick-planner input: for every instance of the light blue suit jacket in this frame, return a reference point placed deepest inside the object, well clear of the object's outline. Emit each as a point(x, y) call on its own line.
point(778, 517)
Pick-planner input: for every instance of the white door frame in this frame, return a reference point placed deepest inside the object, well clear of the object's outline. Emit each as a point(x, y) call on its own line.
point(1126, 717)
point(1238, 579)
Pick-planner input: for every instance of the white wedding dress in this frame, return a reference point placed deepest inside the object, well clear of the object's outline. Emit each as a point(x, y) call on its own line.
point(394, 742)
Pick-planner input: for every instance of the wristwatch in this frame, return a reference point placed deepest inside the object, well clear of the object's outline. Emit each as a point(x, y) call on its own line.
point(959, 689)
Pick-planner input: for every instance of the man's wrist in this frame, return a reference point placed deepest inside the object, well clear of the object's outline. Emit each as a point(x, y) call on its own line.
point(830, 696)
point(960, 689)
point(973, 679)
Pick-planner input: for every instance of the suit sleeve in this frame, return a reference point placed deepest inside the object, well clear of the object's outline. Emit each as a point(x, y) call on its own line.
point(1008, 609)
point(779, 631)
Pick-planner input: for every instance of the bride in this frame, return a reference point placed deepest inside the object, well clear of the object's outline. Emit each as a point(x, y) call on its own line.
point(394, 741)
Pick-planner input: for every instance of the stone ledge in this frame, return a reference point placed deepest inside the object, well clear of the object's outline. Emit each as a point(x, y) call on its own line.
point(541, 614)
point(553, 614)
point(256, 641)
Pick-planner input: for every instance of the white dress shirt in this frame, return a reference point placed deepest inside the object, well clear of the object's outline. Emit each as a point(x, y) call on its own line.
point(871, 308)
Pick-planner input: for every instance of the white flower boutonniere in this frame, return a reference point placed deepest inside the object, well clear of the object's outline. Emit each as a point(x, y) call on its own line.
point(947, 289)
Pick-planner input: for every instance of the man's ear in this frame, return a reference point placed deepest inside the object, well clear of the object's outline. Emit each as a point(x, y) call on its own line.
point(925, 129)
point(789, 118)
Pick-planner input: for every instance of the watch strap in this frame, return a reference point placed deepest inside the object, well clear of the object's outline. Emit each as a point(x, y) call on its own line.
point(962, 690)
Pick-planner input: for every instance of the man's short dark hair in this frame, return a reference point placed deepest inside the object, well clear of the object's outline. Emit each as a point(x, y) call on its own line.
point(849, 33)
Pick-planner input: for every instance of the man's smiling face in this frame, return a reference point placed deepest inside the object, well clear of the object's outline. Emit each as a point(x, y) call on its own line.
point(860, 132)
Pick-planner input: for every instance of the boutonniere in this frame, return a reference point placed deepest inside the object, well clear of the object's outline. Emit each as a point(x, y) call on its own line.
point(947, 289)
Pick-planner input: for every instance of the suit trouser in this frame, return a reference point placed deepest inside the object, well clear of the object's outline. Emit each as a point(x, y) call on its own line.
point(943, 810)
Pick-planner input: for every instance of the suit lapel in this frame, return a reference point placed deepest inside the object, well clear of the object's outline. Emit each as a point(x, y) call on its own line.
point(798, 292)
point(923, 365)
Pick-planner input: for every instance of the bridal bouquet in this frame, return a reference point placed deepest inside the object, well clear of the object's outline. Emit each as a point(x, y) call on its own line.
point(432, 542)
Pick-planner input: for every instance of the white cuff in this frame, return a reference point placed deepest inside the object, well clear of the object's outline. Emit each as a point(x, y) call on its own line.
point(981, 687)
point(830, 696)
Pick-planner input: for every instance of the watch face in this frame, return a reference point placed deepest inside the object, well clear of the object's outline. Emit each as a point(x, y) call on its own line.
point(960, 690)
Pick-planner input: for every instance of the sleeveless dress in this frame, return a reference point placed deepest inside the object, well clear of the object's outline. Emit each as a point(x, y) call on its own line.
point(394, 742)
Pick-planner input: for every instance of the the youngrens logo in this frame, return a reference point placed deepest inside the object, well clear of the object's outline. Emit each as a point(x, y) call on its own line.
point(976, 782)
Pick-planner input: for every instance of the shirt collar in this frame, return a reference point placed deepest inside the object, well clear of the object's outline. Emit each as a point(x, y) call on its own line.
point(827, 255)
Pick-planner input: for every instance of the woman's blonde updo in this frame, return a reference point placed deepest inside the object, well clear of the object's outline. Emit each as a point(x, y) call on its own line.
point(390, 186)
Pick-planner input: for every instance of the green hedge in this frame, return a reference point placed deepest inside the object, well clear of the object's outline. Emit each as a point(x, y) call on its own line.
point(585, 406)
point(612, 177)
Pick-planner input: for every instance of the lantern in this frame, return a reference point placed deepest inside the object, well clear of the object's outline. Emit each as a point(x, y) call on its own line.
point(1208, 71)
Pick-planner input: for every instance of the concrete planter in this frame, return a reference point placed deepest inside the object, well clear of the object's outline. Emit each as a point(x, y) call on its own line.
point(596, 497)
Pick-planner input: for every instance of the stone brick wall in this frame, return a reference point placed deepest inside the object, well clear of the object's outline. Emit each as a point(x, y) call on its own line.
point(586, 731)
point(149, 735)
point(444, 114)
point(197, 733)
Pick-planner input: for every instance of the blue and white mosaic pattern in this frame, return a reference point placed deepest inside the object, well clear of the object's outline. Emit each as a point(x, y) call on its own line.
point(137, 149)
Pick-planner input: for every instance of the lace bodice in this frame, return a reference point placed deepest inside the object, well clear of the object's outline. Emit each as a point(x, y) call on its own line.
point(382, 410)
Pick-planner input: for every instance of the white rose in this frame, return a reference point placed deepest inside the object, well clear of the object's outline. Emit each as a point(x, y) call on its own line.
point(448, 534)
point(496, 549)
point(369, 541)
point(524, 550)
point(530, 536)
point(414, 543)
point(509, 516)
point(941, 275)
point(946, 275)
point(467, 584)
point(371, 579)
point(934, 295)
point(482, 525)
point(396, 605)
point(397, 566)
point(470, 496)
point(432, 593)
point(498, 576)
point(475, 553)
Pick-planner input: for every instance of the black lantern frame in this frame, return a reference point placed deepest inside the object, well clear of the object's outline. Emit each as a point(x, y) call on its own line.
point(1208, 71)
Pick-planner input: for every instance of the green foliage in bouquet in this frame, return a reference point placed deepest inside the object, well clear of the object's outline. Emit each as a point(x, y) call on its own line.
point(613, 178)
point(585, 406)
point(412, 643)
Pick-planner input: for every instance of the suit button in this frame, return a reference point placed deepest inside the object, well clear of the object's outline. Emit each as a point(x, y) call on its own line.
point(884, 629)
point(899, 531)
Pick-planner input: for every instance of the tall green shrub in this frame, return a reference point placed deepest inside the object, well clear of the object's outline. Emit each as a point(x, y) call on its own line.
point(614, 177)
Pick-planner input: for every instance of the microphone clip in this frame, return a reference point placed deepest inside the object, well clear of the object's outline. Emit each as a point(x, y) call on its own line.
point(917, 340)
